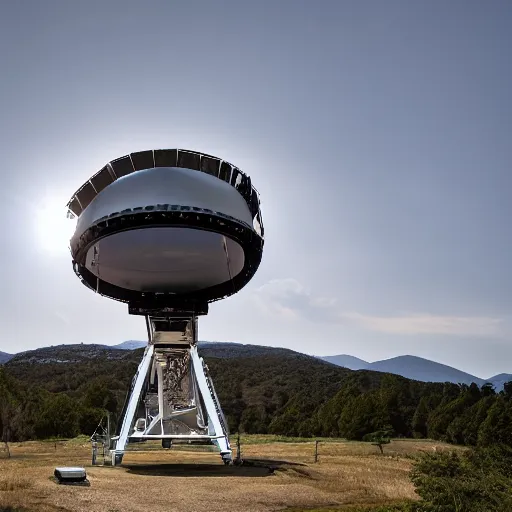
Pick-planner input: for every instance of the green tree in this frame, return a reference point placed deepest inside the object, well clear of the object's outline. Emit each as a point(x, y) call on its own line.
point(329, 413)
point(420, 418)
point(59, 417)
point(441, 418)
point(379, 438)
point(8, 408)
point(464, 428)
point(99, 396)
point(89, 418)
point(497, 427)
point(253, 420)
point(362, 415)
point(488, 390)
point(475, 481)
point(507, 390)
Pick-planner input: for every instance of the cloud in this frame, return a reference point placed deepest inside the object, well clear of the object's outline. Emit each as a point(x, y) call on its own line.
point(289, 299)
point(424, 323)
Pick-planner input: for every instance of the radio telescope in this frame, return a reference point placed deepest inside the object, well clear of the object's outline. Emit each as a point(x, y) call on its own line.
point(168, 231)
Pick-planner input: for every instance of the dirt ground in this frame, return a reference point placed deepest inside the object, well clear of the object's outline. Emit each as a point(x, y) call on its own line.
point(191, 480)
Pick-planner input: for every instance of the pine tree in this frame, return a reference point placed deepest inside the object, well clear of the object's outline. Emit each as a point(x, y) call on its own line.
point(420, 418)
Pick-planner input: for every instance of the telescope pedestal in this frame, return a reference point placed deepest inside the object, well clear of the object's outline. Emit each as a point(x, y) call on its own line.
point(172, 396)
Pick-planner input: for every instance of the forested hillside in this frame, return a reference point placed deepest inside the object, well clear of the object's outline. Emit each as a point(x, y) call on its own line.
point(262, 390)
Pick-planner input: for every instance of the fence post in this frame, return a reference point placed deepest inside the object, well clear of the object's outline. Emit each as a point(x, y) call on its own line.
point(238, 458)
point(94, 452)
point(316, 451)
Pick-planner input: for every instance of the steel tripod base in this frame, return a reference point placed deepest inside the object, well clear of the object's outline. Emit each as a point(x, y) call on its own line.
point(172, 398)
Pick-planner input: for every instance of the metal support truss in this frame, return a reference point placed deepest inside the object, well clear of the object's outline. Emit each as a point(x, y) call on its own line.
point(172, 396)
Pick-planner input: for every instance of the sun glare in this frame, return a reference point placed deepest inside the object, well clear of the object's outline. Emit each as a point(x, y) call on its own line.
point(54, 227)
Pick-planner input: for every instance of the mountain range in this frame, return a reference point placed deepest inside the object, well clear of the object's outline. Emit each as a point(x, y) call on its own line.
point(411, 367)
point(417, 368)
point(4, 357)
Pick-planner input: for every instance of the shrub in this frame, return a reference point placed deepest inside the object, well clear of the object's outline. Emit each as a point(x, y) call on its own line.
point(473, 481)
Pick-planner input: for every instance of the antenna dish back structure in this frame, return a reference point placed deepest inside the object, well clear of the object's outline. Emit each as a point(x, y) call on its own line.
point(168, 231)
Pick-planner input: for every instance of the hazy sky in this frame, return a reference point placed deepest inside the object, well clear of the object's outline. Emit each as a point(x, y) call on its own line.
point(379, 134)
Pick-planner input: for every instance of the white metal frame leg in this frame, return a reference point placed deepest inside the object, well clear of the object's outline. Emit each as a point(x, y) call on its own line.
point(213, 417)
point(133, 403)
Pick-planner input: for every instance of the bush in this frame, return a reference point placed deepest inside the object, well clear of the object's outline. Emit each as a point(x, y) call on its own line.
point(473, 481)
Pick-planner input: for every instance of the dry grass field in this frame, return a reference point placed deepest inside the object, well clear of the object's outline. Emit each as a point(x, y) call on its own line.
point(347, 473)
